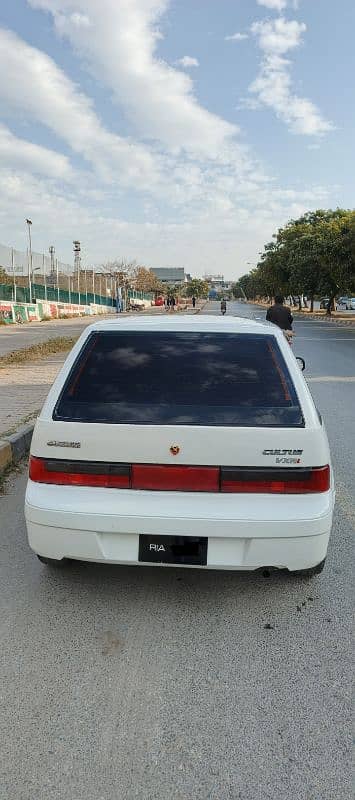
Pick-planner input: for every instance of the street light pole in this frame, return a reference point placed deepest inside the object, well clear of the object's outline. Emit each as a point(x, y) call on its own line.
point(57, 272)
point(13, 273)
point(77, 249)
point(30, 262)
point(44, 276)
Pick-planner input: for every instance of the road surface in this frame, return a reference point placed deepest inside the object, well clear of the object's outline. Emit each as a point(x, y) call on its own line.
point(164, 684)
point(14, 337)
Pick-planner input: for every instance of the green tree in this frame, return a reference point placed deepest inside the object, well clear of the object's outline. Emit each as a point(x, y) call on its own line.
point(4, 277)
point(196, 288)
point(312, 254)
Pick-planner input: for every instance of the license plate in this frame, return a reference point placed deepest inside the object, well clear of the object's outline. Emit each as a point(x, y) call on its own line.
point(173, 549)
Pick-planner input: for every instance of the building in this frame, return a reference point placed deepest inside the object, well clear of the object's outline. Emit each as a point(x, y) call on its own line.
point(217, 283)
point(170, 276)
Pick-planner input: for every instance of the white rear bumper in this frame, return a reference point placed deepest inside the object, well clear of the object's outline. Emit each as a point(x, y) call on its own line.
point(244, 531)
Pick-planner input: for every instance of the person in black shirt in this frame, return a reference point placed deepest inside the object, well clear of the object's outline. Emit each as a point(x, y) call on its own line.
point(279, 314)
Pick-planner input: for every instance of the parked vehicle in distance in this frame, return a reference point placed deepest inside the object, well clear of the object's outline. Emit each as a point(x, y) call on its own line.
point(343, 302)
point(159, 301)
point(186, 441)
point(352, 303)
point(324, 302)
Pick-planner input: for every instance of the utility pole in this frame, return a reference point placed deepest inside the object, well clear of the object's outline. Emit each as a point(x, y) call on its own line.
point(57, 271)
point(30, 261)
point(13, 273)
point(52, 272)
point(77, 259)
point(44, 276)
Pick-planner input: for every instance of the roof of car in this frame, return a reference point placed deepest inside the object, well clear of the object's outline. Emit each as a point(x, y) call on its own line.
point(181, 322)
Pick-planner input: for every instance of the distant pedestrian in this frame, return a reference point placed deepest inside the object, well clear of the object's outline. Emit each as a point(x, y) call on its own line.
point(194, 302)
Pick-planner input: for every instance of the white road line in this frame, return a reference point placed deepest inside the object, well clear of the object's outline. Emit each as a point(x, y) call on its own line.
point(331, 379)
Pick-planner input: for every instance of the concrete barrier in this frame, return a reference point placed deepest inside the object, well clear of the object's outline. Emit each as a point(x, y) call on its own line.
point(11, 312)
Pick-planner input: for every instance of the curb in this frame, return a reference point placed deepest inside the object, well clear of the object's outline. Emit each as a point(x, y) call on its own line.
point(14, 447)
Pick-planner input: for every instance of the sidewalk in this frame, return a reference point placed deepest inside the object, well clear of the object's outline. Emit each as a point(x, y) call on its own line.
point(23, 390)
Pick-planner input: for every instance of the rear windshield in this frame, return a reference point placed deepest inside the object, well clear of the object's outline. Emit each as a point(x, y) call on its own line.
point(166, 378)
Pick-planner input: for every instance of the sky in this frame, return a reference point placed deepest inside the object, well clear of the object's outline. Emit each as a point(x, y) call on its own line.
point(172, 132)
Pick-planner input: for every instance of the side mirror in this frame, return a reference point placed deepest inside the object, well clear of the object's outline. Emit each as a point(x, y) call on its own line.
point(301, 362)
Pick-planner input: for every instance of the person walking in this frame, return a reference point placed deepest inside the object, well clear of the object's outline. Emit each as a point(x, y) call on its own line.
point(194, 302)
point(279, 314)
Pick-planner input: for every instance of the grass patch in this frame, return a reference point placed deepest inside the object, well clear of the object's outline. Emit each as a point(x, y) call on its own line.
point(56, 345)
point(11, 471)
point(19, 422)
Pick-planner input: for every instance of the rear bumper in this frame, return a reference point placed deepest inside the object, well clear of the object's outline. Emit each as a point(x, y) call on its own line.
point(223, 553)
point(244, 532)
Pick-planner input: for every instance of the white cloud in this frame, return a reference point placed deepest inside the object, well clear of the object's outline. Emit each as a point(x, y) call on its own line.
point(202, 192)
point(50, 97)
point(273, 85)
point(27, 155)
point(120, 46)
point(276, 37)
point(277, 5)
point(188, 61)
point(236, 37)
point(218, 230)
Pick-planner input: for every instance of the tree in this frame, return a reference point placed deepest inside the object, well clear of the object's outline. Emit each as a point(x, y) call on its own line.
point(196, 288)
point(4, 277)
point(145, 281)
point(312, 254)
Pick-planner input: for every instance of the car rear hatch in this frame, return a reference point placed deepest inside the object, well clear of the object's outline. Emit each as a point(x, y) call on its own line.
point(182, 411)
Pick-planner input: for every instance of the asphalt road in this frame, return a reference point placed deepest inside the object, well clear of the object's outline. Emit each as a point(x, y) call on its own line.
point(14, 337)
point(163, 684)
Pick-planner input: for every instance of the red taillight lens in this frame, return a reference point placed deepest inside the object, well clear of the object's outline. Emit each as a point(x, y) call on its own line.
point(175, 478)
point(284, 481)
point(165, 477)
point(77, 473)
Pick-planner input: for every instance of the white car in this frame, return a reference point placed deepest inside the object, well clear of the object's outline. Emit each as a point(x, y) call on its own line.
point(191, 441)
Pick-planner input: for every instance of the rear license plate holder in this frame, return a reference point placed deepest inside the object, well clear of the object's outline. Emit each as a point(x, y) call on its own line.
point(190, 550)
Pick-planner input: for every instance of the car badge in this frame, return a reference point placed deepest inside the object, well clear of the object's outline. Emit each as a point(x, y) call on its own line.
point(74, 445)
point(175, 449)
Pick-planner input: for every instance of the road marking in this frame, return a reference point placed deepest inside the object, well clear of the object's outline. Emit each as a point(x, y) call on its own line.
point(332, 378)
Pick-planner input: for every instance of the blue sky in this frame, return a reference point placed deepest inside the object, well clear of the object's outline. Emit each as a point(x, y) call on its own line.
point(172, 132)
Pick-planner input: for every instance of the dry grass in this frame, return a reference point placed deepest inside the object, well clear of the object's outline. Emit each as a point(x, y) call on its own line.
point(56, 345)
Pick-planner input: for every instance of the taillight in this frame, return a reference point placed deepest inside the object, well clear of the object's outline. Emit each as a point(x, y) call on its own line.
point(79, 473)
point(180, 478)
point(175, 478)
point(275, 481)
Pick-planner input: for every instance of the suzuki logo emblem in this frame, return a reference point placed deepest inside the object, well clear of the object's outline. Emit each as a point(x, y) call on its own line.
point(175, 449)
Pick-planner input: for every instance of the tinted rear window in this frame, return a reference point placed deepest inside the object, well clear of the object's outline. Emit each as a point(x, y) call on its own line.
point(165, 378)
